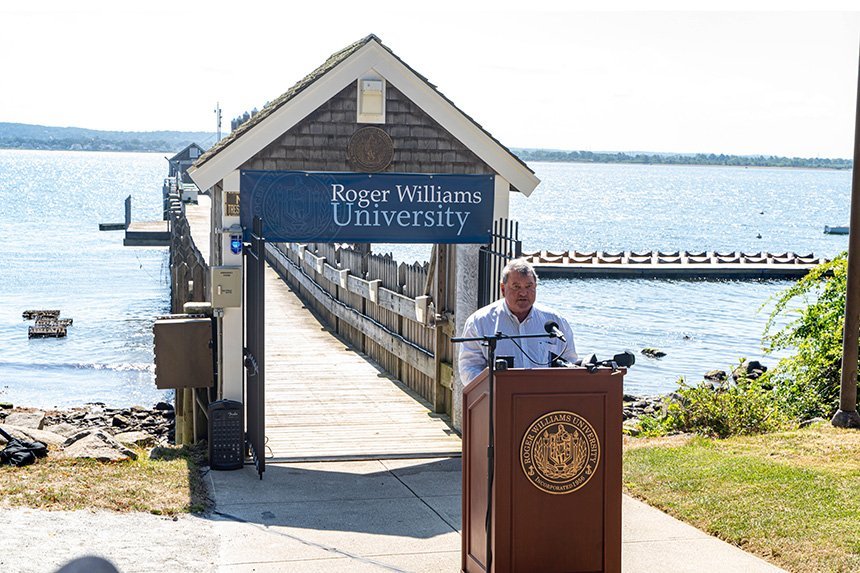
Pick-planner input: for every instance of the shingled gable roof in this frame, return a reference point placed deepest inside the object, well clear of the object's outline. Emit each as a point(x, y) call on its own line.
point(184, 149)
point(290, 108)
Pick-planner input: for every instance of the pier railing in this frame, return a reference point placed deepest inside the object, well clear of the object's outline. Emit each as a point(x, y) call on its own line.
point(189, 276)
point(379, 306)
point(189, 270)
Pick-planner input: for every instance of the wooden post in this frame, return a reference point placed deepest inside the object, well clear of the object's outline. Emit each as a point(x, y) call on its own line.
point(440, 297)
point(187, 415)
point(846, 416)
point(178, 425)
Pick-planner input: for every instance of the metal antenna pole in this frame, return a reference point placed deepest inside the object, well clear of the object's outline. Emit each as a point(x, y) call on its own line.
point(846, 416)
point(218, 120)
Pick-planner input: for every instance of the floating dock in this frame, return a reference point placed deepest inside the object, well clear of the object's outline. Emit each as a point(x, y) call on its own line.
point(147, 234)
point(37, 314)
point(47, 331)
point(673, 264)
point(48, 324)
point(838, 230)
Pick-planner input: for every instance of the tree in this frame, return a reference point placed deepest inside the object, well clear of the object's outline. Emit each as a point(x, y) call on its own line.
point(807, 382)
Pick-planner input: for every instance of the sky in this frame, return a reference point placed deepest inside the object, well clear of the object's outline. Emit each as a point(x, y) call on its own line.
point(755, 77)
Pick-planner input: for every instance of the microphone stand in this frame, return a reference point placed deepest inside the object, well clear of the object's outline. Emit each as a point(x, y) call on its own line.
point(490, 341)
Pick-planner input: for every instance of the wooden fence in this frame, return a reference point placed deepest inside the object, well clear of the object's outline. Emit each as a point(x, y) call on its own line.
point(189, 277)
point(189, 271)
point(382, 308)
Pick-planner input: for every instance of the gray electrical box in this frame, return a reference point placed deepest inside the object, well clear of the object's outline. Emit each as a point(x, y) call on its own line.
point(226, 287)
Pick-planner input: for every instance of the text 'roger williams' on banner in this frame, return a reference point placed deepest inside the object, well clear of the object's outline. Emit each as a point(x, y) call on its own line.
point(303, 206)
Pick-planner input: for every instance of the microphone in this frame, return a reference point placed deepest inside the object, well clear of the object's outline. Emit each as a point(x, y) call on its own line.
point(553, 330)
point(556, 361)
point(624, 360)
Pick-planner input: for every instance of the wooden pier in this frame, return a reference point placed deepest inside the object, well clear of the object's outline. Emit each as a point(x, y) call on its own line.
point(324, 400)
point(327, 401)
point(672, 264)
point(147, 234)
point(144, 233)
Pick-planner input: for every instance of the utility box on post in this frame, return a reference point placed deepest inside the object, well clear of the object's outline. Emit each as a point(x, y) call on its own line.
point(183, 353)
point(226, 287)
point(226, 435)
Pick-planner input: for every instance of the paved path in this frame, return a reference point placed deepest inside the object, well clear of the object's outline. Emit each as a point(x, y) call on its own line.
point(338, 517)
point(404, 515)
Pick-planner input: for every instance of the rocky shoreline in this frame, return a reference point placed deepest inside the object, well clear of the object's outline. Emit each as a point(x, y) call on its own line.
point(109, 434)
point(92, 431)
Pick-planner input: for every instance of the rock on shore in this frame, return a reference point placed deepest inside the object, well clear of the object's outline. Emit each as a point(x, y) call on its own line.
point(92, 431)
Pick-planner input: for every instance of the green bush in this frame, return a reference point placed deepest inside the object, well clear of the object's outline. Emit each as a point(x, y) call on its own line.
point(807, 382)
point(803, 385)
point(719, 409)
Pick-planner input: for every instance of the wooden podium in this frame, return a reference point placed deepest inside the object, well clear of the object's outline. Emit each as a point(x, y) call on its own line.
point(556, 496)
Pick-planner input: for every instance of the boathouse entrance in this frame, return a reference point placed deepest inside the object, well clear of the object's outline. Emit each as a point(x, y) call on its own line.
point(362, 151)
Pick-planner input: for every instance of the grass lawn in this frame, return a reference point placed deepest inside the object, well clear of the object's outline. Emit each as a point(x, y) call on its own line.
point(168, 485)
point(792, 498)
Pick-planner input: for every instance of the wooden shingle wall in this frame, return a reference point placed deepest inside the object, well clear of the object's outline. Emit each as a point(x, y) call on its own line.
point(320, 141)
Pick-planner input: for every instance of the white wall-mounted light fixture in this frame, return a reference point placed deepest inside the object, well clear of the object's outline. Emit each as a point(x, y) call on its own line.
point(371, 100)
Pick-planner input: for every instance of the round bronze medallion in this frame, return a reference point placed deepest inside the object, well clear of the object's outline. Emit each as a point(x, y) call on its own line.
point(560, 452)
point(370, 149)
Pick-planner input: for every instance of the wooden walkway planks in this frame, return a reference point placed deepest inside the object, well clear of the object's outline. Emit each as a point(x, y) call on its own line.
point(326, 401)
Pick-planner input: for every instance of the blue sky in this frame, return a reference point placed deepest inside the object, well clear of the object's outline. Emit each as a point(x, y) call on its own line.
point(757, 78)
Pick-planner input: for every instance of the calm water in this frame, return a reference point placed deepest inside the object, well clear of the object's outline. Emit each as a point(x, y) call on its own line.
point(55, 257)
point(701, 325)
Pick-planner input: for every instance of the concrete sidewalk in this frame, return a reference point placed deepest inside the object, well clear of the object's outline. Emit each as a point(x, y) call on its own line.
point(404, 515)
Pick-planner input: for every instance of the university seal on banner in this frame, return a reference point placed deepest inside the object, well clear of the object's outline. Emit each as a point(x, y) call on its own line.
point(560, 452)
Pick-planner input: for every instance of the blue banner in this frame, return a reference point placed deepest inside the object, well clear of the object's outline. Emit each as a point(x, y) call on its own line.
point(301, 206)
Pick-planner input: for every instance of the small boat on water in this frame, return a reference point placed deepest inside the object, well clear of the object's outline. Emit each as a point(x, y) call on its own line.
point(828, 230)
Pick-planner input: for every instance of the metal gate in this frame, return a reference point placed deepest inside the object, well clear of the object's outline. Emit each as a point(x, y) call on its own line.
point(255, 344)
point(504, 246)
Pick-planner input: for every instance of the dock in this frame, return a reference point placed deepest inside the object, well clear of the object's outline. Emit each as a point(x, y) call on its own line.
point(147, 234)
point(673, 264)
point(48, 324)
point(153, 233)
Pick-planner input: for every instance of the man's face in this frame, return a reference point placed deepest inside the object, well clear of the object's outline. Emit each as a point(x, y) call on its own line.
point(520, 292)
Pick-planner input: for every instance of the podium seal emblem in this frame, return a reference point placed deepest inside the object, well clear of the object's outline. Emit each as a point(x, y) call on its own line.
point(560, 452)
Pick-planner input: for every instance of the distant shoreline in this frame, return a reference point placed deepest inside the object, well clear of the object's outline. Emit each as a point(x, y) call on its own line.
point(701, 159)
point(781, 167)
point(47, 138)
point(667, 162)
point(21, 136)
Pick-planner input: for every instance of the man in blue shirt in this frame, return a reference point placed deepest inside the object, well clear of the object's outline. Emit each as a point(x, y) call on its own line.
point(515, 313)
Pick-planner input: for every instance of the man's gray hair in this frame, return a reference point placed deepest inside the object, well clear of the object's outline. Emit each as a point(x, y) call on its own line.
point(521, 266)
